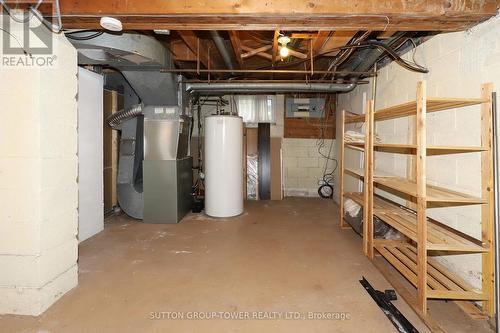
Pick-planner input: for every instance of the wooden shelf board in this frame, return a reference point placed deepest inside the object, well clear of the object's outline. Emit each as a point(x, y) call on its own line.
point(439, 237)
point(357, 197)
point(441, 283)
point(355, 119)
point(356, 147)
point(434, 193)
point(433, 105)
point(356, 172)
point(360, 173)
point(378, 203)
point(411, 148)
point(354, 143)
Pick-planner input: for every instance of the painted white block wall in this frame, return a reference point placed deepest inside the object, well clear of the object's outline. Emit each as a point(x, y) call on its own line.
point(38, 181)
point(90, 154)
point(459, 63)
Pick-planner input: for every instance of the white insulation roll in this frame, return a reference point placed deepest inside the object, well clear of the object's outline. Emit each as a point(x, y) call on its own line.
point(223, 166)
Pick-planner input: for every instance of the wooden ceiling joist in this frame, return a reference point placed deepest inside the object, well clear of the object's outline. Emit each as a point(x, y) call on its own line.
point(181, 51)
point(261, 52)
point(338, 39)
point(195, 44)
point(236, 43)
point(375, 15)
point(251, 52)
point(320, 40)
point(275, 46)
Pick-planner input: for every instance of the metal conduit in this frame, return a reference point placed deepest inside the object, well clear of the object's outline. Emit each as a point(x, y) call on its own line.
point(270, 87)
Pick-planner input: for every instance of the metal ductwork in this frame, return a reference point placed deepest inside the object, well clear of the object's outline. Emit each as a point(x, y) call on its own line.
point(363, 60)
point(152, 185)
point(269, 87)
point(220, 43)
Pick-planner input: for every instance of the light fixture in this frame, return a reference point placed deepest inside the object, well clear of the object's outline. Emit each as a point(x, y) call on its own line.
point(111, 24)
point(284, 51)
point(162, 31)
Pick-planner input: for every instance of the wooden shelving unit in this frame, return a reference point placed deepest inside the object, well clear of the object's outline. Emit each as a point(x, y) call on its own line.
point(424, 236)
point(441, 282)
point(364, 174)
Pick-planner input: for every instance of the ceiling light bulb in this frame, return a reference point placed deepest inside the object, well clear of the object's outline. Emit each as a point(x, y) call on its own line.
point(284, 51)
point(111, 24)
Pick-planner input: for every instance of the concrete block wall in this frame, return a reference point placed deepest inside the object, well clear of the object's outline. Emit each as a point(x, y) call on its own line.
point(38, 181)
point(459, 63)
point(304, 166)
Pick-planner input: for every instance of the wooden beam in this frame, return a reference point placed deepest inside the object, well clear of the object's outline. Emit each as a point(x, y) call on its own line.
point(191, 41)
point(258, 51)
point(275, 46)
point(236, 43)
point(181, 51)
point(339, 38)
point(320, 40)
point(386, 34)
point(430, 15)
point(303, 35)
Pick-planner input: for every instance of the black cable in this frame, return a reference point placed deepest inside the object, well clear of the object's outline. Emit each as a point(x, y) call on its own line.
point(327, 178)
point(323, 194)
point(368, 44)
point(97, 34)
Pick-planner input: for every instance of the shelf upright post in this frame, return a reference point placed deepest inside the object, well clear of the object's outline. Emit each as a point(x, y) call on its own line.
point(366, 194)
point(421, 154)
point(369, 171)
point(343, 225)
point(487, 213)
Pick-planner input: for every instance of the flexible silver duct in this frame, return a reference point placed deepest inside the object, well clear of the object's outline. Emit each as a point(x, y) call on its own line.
point(220, 43)
point(269, 87)
point(117, 118)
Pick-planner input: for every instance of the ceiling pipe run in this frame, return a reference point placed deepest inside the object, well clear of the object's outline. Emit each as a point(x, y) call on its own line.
point(269, 87)
point(220, 43)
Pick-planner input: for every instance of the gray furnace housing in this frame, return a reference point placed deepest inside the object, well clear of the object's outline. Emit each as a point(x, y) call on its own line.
point(167, 166)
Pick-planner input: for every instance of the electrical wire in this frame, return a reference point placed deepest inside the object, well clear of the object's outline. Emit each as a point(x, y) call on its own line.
point(412, 66)
point(17, 41)
point(16, 19)
point(328, 176)
point(33, 11)
point(96, 34)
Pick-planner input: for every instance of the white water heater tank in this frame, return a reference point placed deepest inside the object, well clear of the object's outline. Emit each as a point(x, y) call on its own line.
point(223, 166)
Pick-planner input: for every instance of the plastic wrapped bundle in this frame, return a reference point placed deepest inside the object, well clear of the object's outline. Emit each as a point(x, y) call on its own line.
point(354, 216)
point(252, 176)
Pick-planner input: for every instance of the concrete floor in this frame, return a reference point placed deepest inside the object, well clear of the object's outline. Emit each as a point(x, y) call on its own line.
point(287, 257)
